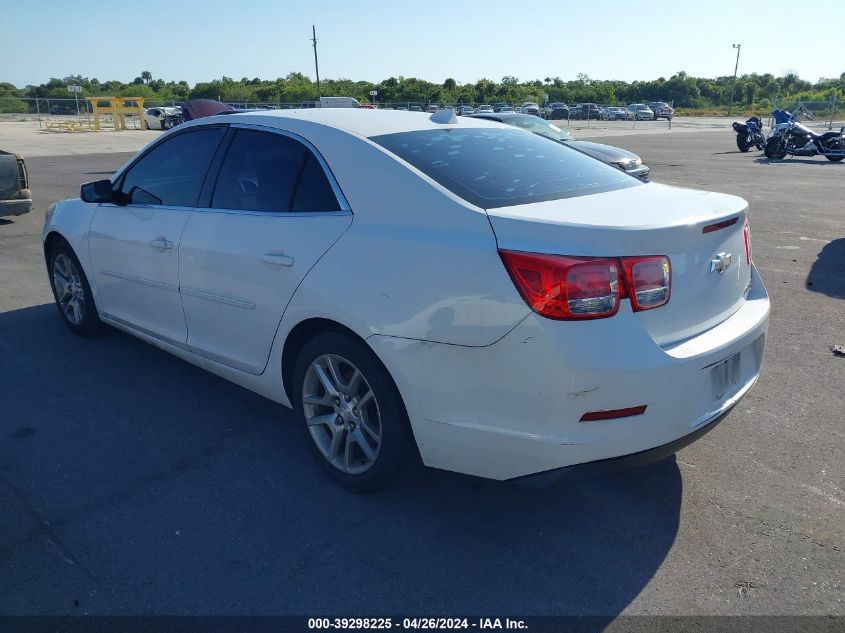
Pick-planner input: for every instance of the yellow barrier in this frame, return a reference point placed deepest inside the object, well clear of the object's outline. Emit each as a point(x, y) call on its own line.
point(68, 126)
point(118, 108)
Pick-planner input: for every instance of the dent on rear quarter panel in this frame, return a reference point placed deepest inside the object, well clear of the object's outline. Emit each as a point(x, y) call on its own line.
point(415, 263)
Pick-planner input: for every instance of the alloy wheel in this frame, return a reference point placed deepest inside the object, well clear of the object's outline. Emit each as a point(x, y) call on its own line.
point(342, 414)
point(70, 293)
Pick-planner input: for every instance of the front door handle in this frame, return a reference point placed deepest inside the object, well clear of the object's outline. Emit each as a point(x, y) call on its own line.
point(161, 243)
point(277, 260)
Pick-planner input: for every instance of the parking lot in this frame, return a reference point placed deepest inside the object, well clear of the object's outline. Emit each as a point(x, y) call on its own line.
point(134, 483)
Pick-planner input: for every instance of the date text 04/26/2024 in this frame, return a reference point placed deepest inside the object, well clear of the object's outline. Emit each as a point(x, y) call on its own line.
point(414, 624)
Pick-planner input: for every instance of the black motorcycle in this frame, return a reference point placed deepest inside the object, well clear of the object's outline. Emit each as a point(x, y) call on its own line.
point(791, 137)
point(749, 134)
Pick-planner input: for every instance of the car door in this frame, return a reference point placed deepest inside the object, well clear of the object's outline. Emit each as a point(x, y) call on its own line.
point(273, 211)
point(134, 243)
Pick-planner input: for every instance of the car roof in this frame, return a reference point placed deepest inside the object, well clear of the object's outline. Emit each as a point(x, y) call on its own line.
point(357, 121)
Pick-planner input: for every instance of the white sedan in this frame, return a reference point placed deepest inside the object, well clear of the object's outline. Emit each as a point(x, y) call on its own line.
point(500, 303)
point(162, 118)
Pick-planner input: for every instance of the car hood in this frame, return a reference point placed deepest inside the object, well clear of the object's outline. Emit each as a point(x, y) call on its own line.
point(607, 153)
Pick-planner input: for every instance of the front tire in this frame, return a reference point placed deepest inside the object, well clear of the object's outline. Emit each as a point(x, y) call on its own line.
point(775, 149)
point(352, 411)
point(743, 142)
point(834, 159)
point(72, 292)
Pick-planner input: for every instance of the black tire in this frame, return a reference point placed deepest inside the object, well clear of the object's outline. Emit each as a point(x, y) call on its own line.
point(394, 453)
point(775, 150)
point(834, 159)
point(90, 324)
point(743, 142)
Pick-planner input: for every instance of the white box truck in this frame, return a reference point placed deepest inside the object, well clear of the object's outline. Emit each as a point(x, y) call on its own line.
point(333, 102)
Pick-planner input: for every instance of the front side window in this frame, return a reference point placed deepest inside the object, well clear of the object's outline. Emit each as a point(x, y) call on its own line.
point(173, 171)
point(498, 167)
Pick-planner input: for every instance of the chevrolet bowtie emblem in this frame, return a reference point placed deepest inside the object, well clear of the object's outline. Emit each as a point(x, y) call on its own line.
point(721, 263)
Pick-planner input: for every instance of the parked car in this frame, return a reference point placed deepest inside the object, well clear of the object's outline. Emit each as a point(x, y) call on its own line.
point(162, 118)
point(15, 196)
point(63, 110)
point(416, 108)
point(402, 108)
point(497, 107)
point(661, 109)
point(485, 109)
point(639, 112)
point(557, 110)
point(548, 331)
point(613, 113)
point(464, 110)
point(505, 109)
point(530, 108)
point(432, 108)
point(366, 106)
point(585, 111)
point(615, 156)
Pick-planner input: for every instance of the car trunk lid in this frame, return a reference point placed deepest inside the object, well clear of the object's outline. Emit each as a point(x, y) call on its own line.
point(702, 233)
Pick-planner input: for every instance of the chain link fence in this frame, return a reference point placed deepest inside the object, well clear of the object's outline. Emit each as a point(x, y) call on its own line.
point(825, 113)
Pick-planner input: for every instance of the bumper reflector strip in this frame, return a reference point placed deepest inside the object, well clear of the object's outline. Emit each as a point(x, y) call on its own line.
point(593, 416)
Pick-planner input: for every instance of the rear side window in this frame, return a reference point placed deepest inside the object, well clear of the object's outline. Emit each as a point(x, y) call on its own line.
point(314, 192)
point(500, 167)
point(260, 172)
point(173, 171)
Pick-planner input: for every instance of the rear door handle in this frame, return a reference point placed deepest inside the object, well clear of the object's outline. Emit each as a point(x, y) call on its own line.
point(277, 260)
point(161, 243)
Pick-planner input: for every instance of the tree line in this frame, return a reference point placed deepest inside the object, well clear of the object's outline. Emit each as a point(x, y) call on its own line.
point(749, 91)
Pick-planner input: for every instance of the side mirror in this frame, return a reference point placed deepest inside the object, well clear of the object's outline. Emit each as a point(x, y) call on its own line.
point(98, 191)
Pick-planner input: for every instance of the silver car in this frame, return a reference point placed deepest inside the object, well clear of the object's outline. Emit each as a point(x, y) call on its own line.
point(627, 161)
point(613, 113)
point(639, 112)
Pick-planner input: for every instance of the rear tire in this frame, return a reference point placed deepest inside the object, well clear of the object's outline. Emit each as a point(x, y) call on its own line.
point(72, 292)
point(834, 159)
point(352, 412)
point(743, 142)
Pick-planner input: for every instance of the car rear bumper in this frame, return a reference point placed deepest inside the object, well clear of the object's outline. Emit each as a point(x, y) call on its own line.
point(514, 408)
point(613, 465)
point(15, 207)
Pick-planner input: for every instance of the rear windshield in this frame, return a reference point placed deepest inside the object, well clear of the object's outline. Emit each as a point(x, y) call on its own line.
point(500, 167)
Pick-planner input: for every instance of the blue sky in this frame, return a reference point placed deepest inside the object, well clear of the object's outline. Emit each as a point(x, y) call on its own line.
point(430, 39)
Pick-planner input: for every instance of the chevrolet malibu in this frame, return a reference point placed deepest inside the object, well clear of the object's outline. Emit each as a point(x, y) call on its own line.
point(493, 301)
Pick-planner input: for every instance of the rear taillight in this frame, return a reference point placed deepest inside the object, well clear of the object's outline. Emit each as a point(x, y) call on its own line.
point(575, 288)
point(565, 288)
point(746, 232)
point(648, 280)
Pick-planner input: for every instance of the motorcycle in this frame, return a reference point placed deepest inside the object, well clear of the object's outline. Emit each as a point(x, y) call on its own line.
point(790, 136)
point(749, 133)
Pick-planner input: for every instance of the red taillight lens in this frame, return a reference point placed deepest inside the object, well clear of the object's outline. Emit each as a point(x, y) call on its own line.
point(648, 280)
point(746, 231)
point(565, 287)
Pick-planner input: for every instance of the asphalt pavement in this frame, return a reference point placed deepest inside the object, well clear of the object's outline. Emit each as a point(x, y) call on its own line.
point(132, 482)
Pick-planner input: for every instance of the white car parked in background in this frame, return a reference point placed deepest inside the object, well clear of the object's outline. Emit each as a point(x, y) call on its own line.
point(501, 302)
point(162, 118)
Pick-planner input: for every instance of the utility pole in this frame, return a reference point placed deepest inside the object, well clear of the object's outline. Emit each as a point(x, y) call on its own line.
point(733, 89)
point(316, 65)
